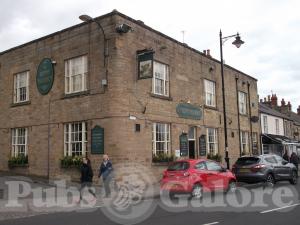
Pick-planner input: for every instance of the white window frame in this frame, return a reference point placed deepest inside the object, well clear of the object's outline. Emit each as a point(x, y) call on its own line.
point(19, 141)
point(212, 140)
point(277, 126)
point(242, 102)
point(164, 78)
point(70, 75)
point(70, 139)
point(18, 87)
point(210, 93)
point(245, 142)
point(164, 136)
point(265, 123)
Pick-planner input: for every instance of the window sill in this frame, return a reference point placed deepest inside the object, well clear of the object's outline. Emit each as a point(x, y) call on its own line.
point(161, 163)
point(161, 97)
point(76, 94)
point(244, 115)
point(20, 104)
point(210, 107)
point(18, 166)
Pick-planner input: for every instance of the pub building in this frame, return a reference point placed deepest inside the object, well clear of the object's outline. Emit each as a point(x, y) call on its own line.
point(114, 85)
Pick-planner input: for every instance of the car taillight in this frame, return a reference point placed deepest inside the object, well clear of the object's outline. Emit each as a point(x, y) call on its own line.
point(186, 174)
point(258, 167)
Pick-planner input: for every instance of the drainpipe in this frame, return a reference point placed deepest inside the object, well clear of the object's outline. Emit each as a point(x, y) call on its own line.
point(250, 115)
point(238, 114)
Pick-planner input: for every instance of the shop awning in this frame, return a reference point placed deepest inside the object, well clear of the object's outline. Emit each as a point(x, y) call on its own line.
point(278, 139)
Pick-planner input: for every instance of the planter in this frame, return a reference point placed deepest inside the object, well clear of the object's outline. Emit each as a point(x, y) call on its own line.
point(69, 162)
point(11, 166)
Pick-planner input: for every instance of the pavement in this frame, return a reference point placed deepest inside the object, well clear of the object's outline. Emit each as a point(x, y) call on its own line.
point(241, 208)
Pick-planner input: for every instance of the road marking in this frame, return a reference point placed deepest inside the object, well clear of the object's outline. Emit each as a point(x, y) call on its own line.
point(211, 223)
point(284, 207)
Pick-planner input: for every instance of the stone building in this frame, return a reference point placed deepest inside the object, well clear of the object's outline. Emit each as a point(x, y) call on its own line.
point(129, 91)
point(290, 138)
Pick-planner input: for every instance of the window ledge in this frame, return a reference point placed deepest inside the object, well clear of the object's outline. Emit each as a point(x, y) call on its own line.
point(76, 94)
point(210, 107)
point(244, 115)
point(161, 163)
point(18, 165)
point(20, 104)
point(161, 97)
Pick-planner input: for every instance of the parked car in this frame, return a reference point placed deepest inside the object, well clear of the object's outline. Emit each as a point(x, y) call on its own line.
point(266, 168)
point(197, 176)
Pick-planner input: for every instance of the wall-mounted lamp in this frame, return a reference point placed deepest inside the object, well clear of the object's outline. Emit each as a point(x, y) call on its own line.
point(123, 28)
point(131, 117)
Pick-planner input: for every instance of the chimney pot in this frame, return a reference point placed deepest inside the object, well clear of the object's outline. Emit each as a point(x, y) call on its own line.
point(298, 110)
point(204, 51)
point(282, 102)
point(269, 98)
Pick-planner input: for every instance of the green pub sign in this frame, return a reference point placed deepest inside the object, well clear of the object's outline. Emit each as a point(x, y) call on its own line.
point(45, 76)
point(189, 111)
point(97, 140)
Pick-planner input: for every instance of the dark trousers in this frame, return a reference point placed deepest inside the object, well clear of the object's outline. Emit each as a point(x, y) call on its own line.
point(88, 185)
point(106, 182)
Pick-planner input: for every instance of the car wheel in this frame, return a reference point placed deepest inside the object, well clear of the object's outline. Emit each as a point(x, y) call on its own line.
point(294, 178)
point(270, 181)
point(197, 191)
point(231, 187)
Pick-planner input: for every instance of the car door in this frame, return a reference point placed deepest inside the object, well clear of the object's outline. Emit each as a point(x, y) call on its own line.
point(215, 179)
point(201, 174)
point(283, 168)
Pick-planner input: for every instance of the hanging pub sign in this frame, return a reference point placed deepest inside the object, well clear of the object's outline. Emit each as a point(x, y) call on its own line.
point(45, 76)
point(145, 63)
point(202, 145)
point(97, 140)
point(184, 145)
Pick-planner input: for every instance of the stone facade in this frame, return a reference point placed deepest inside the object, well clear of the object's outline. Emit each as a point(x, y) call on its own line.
point(124, 95)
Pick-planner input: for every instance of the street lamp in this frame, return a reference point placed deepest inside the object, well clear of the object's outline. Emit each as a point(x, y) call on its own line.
point(237, 42)
point(87, 18)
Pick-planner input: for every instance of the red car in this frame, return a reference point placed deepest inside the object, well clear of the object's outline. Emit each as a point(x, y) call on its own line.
point(197, 176)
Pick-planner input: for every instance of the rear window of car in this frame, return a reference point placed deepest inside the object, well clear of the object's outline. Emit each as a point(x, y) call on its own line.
point(177, 166)
point(247, 160)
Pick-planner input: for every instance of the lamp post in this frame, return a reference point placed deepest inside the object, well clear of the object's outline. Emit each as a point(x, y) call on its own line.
point(87, 18)
point(237, 42)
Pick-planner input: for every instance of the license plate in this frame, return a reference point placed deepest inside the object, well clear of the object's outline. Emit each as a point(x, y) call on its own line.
point(244, 170)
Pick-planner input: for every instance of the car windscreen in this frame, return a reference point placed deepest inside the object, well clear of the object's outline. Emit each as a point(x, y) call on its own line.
point(247, 161)
point(177, 166)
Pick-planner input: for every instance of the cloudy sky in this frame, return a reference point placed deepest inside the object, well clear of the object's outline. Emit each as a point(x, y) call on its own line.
point(270, 29)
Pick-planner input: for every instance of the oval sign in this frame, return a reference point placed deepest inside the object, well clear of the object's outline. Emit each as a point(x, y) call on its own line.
point(45, 76)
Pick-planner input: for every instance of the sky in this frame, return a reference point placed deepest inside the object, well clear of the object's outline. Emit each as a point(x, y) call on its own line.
point(270, 29)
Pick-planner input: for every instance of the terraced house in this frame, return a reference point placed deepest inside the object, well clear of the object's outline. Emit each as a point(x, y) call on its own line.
point(114, 85)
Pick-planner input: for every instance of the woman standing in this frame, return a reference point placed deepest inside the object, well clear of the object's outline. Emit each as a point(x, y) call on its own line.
point(86, 178)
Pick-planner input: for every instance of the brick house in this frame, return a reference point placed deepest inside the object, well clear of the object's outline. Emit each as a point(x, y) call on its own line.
point(145, 91)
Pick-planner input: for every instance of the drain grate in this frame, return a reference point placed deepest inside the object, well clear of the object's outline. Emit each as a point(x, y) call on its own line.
point(1, 193)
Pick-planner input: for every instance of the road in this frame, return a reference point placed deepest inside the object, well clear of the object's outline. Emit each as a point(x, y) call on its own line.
point(280, 205)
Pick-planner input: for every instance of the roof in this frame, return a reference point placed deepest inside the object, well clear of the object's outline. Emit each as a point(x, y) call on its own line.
point(267, 110)
point(295, 117)
point(115, 12)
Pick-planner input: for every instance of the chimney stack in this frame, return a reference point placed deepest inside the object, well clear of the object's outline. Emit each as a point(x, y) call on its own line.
point(269, 98)
point(289, 107)
point(204, 51)
point(274, 101)
point(208, 52)
point(298, 110)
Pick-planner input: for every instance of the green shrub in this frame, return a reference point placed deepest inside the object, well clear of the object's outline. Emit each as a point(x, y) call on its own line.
point(216, 157)
point(69, 161)
point(162, 157)
point(19, 160)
